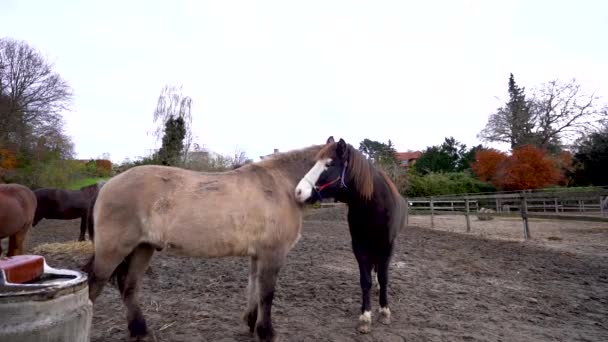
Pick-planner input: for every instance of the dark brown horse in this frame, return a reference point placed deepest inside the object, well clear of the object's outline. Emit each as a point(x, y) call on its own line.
point(59, 204)
point(17, 207)
point(376, 213)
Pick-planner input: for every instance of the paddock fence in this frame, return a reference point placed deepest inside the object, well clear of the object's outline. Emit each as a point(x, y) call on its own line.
point(589, 205)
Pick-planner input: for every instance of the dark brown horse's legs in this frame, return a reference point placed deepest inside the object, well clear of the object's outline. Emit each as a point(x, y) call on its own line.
point(365, 280)
point(385, 313)
point(268, 271)
point(251, 313)
point(83, 227)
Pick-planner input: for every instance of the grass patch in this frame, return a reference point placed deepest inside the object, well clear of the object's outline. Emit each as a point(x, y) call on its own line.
point(71, 247)
point(79, 183)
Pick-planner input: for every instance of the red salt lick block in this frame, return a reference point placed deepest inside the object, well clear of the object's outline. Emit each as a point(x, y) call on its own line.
point(22, 268)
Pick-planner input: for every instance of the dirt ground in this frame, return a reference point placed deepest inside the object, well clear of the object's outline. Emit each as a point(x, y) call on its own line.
point(444, 286)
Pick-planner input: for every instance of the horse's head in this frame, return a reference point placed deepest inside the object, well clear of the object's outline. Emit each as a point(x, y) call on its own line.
point(327, 178)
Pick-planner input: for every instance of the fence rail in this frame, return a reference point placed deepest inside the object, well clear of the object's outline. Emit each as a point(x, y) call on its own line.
point(557, 205)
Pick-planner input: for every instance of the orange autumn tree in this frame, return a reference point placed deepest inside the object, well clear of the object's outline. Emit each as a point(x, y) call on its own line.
point(528, 167)
point(486, 163)
point(8, 160)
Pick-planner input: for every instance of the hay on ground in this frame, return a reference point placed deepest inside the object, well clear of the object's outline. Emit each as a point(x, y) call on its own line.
point(70, 247)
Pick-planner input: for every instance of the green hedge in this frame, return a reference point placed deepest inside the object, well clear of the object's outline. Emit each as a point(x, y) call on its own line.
point(435, 184)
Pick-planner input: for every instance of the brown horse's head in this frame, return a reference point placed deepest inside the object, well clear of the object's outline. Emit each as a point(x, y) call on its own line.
point(337, 165)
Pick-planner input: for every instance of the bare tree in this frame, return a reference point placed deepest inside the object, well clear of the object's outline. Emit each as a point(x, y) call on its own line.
point(562, 110)
point(240, 159)
point(557, 112)
point(32, 95)
point(172, 104)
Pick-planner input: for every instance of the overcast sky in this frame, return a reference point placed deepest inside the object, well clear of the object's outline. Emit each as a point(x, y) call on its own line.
point(287, 74)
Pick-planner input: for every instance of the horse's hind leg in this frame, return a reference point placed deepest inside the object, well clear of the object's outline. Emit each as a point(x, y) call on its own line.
point(83, 227)
point(129, 285)
point(269, 266)
point(251, 313)
point(385, 312)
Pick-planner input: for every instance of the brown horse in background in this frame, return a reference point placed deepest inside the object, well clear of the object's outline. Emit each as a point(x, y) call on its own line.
point(59, 204)
point(250, 211)
point(17, 207)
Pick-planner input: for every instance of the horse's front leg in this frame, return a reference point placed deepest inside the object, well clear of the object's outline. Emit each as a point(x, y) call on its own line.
point(269, 265)
point(251, 313)
point(365, 279)
point(385, 312)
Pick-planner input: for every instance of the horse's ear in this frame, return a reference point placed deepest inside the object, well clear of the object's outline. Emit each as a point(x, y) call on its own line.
point(330, 140)
point(341, 149)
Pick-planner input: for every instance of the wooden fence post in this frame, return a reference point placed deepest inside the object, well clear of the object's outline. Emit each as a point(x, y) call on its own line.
point(407, 212)
point(466, 208)
point(524, 215)
point(602, 210)
point(432, 214)
point(556, 206)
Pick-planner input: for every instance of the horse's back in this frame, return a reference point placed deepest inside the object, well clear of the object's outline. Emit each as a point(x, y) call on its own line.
point(17, 207)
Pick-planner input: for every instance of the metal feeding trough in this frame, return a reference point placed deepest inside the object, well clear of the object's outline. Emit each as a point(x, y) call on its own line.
point(39, 303)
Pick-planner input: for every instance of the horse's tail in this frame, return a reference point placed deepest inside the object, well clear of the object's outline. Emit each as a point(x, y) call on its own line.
point(119, 275)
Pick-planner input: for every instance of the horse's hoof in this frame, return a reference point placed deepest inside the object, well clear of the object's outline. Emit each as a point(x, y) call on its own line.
point(266, 334)
point(385, 315)
point(365, 322)
point(364, 327)
point(250, 318)
point(145, 338)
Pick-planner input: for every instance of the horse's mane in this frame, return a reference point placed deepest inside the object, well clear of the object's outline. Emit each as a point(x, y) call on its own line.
point(90, 190)
point(359, 169)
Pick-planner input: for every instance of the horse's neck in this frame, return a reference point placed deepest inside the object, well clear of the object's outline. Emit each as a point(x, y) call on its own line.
point(381, 188)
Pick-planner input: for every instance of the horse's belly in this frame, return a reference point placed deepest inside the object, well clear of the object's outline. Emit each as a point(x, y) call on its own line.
point(209, 242)
point(68, 214)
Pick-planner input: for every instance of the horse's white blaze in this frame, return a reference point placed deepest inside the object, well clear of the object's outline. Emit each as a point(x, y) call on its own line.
point(307, 184)
point(366, 317)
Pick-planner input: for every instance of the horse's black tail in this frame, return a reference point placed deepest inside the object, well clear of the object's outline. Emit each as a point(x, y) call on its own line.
point(119, 275)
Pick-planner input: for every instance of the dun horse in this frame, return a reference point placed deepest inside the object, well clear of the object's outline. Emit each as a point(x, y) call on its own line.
point(17, 207)
point(62, 204)
point(376, 213)
point(250, 211)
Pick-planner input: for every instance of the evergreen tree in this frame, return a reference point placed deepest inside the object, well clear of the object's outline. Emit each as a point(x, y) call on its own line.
point(521, 116)
point(591, 160)
point(513, 123)
point(172, 142)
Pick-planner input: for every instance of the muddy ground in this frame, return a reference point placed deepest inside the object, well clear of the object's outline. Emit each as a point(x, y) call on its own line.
point(445, 286)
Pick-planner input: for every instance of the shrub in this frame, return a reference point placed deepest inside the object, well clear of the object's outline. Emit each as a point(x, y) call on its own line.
point(53, 173)
point(435, 184)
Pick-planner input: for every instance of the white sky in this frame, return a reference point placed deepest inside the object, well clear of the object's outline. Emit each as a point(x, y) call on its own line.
point(287, 74)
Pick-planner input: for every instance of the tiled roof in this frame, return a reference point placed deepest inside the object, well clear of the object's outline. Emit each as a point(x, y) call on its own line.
point(408, 155)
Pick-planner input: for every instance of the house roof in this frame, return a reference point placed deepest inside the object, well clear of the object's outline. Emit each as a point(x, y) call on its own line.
point(408, 155)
